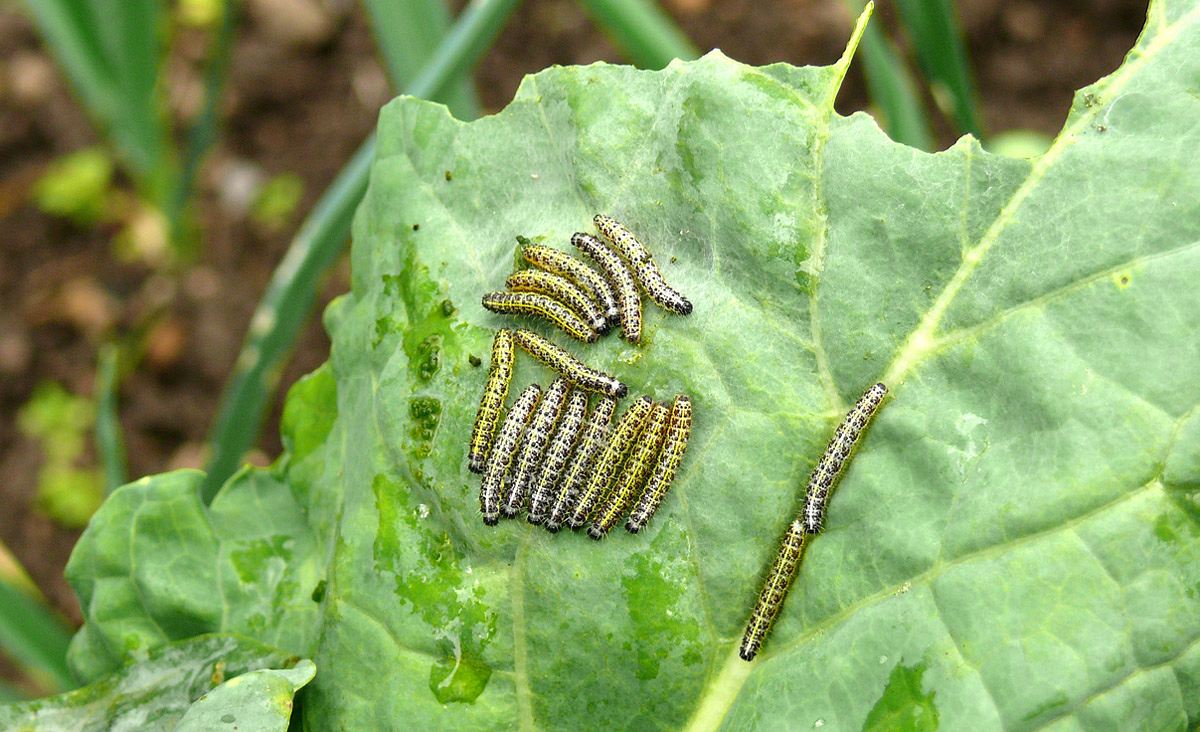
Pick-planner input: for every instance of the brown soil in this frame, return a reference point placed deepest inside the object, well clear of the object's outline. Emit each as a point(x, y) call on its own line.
point(302, 105)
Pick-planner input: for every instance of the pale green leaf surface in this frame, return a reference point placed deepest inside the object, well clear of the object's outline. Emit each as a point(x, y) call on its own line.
point(1017, 544)
point(259, 700)
point(158, 690)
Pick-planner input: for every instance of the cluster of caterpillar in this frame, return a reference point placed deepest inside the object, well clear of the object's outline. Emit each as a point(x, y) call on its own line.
point(566, 464)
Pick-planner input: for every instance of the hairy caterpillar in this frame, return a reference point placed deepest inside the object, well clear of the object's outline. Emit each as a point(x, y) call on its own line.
point(679, 429)
point(571, 368)
point(502, 453)
point(533, 303)
point(591, 443)
point(494, 391)
point(557, 453)
point(774, 590)
point(837, 454)
point(533, 444)
point(629, 304)
point(579, 272)
point(643, 265)
point(628, 427)
point(633, 476)
point(561, 289)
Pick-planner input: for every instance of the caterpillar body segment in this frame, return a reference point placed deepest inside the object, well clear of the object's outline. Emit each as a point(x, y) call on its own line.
point(592, 441)
point(630, 481)
point(837, 455)
point(542, 306)
point(678, 432)
point(642, 263)
point(774, 590)
point(627, 429)
point(569, 367)
point(533, 444)
point(492, 488)
point(629, 304)
point(494, 392)
point(577, 271)
point(561, 289)
point(557, 453)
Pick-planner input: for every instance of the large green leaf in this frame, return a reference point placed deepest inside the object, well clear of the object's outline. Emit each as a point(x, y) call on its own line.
point(175, 685)
point(1017, 544)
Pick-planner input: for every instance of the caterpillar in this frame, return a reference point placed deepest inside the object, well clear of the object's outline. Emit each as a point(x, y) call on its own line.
point(774, 590)
point(628, 427)
point(643, 265)
point(533, 303)
point(494, 391)
point(537, 434)
point(561, 289)
point(579, 272)
point(633, 477)
point(679, 429)
point(571, 368)
point(591, 443)
point(502, 453)
point(833, 461)
point(629, 304)
point(557, 453)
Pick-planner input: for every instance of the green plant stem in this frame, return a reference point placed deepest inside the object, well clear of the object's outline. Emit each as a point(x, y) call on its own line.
point(894, 91)
point(407, 33)
point(292, 289)
point(109, 444)
point(643, 32)
point(203, 133)
point(33, 637)
point(934, 31)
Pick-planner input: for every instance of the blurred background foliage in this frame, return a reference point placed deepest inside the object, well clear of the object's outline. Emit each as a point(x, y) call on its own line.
point(177, 181)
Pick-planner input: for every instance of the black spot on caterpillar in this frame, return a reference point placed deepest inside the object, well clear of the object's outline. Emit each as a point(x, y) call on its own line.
point(836, 456)
point(574, 370)
point(533, 444)
point(557, 453)
point(774, 590)
point(643, 265)
point(532, 303)
point(633, 475)
point(561, 289)
point(595, 436)
point(628, 427)
point(494, 391)
point(679, 430)
point(561, 263)
point(502, 453)
point(629, 303)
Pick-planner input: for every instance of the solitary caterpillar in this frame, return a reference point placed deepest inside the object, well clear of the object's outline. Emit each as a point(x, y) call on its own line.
point(679, 429)
point(561, 289)
point(633, 477)
point(502, 454)
point(571, 368)
point(837, 454)
point(494, 392)
point(629, 426)
point(556, 457)
point(629, 304)
point(532, 303)
point(774, 590)
point(561, 263)
point(644, 268)
point(591, 443)
point(533, 444)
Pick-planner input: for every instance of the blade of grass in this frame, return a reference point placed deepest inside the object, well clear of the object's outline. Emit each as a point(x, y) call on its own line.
point(68, 28)
point(642, 30)
point(894, 91)
point(35, 638)
point(933, 28)
point(292, 289)
point(203, 132)
point(109, 444)
point(407, 33)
